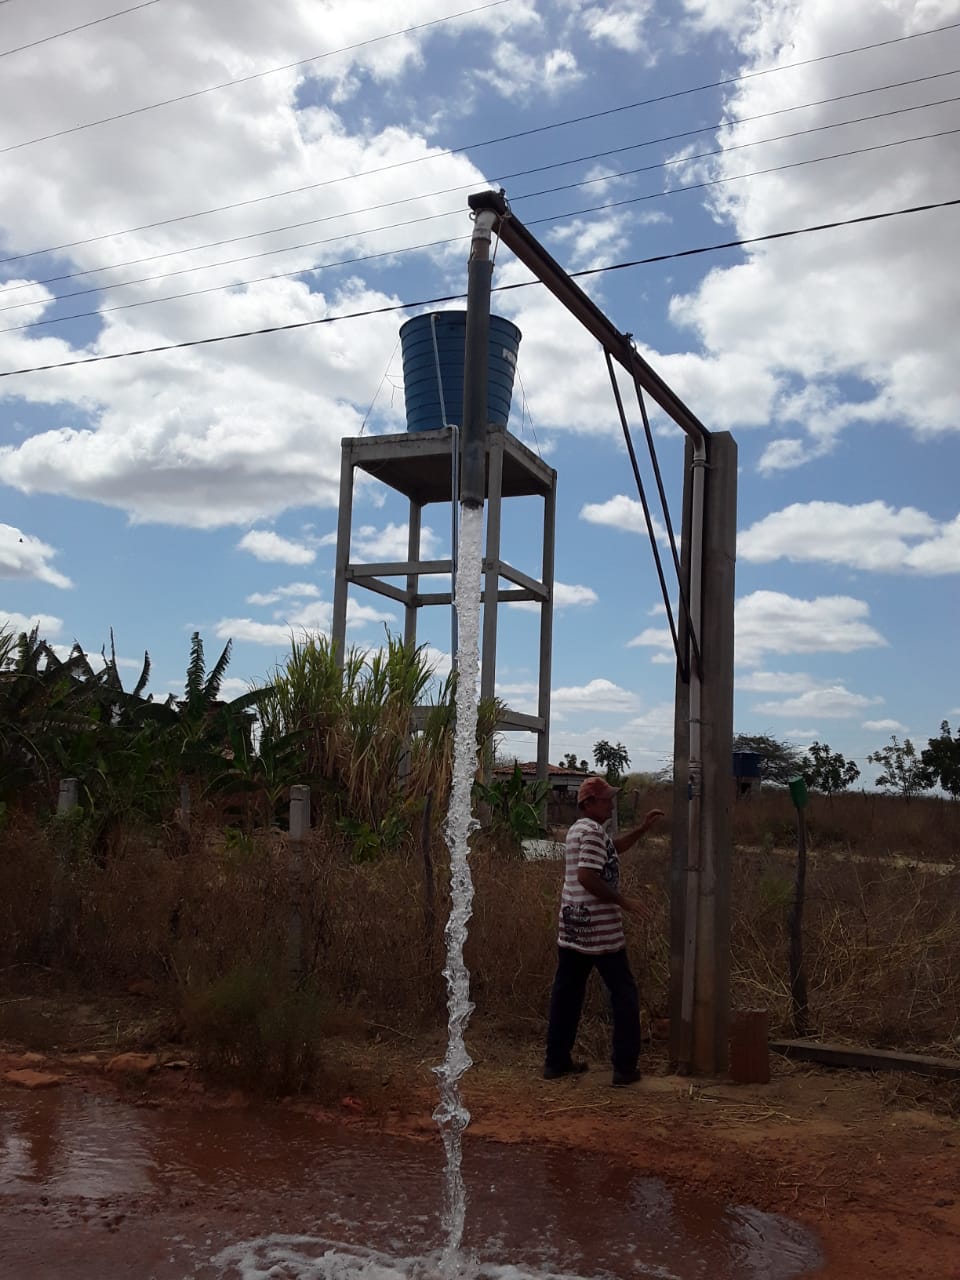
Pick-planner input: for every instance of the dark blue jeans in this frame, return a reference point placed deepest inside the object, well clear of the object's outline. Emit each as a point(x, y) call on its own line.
point(566, 1004)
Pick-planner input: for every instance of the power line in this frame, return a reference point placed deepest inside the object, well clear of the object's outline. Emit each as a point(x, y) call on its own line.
point(458, 150)
point(459, 297)
point(5, 53)
point(256, 75)
point(507, 177)
point(386, 253)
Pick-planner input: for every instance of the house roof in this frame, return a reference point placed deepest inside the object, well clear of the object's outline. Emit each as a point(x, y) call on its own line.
point(529, 768)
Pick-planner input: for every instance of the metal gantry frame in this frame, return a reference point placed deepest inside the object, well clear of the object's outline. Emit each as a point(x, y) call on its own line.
point(417, 465)
point(703, 730)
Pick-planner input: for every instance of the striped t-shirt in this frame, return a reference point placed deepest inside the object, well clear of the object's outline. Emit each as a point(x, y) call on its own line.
point(586, 923)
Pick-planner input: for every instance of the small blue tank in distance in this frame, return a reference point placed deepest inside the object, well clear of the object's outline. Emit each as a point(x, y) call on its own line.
point(746, 764)
point(421, 385)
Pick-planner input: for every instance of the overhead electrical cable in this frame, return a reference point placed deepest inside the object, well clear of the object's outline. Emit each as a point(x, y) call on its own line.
point(410, 248)
point(459, 297)
point(256, 75)
point(95, 22)
point(472, 146)
point(506, 177)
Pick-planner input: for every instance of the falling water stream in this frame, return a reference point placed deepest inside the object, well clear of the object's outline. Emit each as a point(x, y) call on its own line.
point(451, 1114)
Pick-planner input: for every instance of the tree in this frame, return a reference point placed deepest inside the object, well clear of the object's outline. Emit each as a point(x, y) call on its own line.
point(612, 759)
point(570, 762)
point(901, 769)
point(827, 771)
point(941, 757)
point(515, 806)
point(780, 760)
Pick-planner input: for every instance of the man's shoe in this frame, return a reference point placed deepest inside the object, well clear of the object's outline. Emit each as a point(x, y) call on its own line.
point(622, 1078)
point(571, 1069)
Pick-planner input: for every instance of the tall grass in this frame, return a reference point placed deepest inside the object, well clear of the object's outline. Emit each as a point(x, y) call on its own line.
point(882, 937)
point(374, 742)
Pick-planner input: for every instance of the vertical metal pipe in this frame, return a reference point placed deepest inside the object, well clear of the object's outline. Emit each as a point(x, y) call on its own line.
point(338, 628)
point(546, 631)
point(413, 579)
point(475, 365)
point(454, 538)
point(491, 566)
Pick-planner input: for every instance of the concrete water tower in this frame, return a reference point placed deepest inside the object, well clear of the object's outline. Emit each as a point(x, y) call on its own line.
point(424, 464)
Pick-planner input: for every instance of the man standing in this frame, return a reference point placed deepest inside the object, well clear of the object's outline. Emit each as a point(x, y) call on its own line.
point(591, 935)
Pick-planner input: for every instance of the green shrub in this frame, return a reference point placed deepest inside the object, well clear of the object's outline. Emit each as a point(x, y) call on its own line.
point(254, 1026)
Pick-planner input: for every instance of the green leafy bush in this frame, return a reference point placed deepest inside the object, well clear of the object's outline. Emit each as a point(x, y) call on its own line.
point(254, 1026)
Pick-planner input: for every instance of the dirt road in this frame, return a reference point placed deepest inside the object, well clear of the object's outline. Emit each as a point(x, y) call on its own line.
point(870, 1163)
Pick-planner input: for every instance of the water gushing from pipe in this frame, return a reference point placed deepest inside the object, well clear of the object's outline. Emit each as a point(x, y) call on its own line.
point(451, 1114)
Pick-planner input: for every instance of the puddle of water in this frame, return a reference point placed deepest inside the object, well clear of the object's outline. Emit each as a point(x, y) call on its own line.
point(95, 1189)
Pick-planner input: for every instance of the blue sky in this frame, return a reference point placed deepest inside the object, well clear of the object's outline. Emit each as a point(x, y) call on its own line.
point(196, 489)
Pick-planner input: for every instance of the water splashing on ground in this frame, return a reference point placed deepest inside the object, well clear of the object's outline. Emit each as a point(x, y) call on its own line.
point(451, 1114)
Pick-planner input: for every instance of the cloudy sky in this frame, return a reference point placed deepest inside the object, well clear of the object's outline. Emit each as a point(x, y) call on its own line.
point(181, 171)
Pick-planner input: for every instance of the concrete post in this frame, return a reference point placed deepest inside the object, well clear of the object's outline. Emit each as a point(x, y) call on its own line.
point(185, 805)
point(67, 798)
point(299, 813)
point(299, 827)
point(338, 626)
point(703, 1045)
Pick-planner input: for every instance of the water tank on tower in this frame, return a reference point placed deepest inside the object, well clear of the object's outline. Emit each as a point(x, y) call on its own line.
point(433, 350)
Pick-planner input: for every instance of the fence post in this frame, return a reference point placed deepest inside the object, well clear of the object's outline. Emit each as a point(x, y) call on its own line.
point(798, 973)
point(299, 828)
point(68, 796)
point(185, 805)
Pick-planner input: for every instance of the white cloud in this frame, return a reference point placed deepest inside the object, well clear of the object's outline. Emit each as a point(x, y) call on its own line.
point(784, 455)
point(518, 74)
point(293, 591)
point(775, 682)
point(940, 554)
point(390, 543)
point(269, 546)
point(565, 596)
point(623, 513)
point(233, 687)
point(592, 242)
point(314, 617)
point(618, 23)
point(813, 312)
point(239, 431)
point(885, 726)
point(24, 556)
point(17, 622)
point(595, 695)
point(652, 638)
point(772, 622)
point(832, 701)
point(729, 16)
point(870, 535)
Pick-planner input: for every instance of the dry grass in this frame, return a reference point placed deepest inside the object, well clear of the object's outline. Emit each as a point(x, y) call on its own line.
point(882, 938)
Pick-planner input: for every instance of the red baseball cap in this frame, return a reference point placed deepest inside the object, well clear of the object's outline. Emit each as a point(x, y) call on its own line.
point(595, 788)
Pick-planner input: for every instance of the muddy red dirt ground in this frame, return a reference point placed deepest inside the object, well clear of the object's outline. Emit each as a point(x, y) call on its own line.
point(870, 1163)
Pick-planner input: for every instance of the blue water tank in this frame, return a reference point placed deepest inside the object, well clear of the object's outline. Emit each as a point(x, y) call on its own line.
point(433, 347)
point(746, 764)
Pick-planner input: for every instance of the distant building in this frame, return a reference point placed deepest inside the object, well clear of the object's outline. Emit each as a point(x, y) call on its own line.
point(564, 782)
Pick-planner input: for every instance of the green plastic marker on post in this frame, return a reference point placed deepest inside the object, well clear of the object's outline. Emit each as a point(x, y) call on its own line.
point(798, 792)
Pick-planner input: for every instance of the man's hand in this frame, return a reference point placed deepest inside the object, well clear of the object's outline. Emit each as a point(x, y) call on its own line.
point(630, 838)
point(651, 820)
